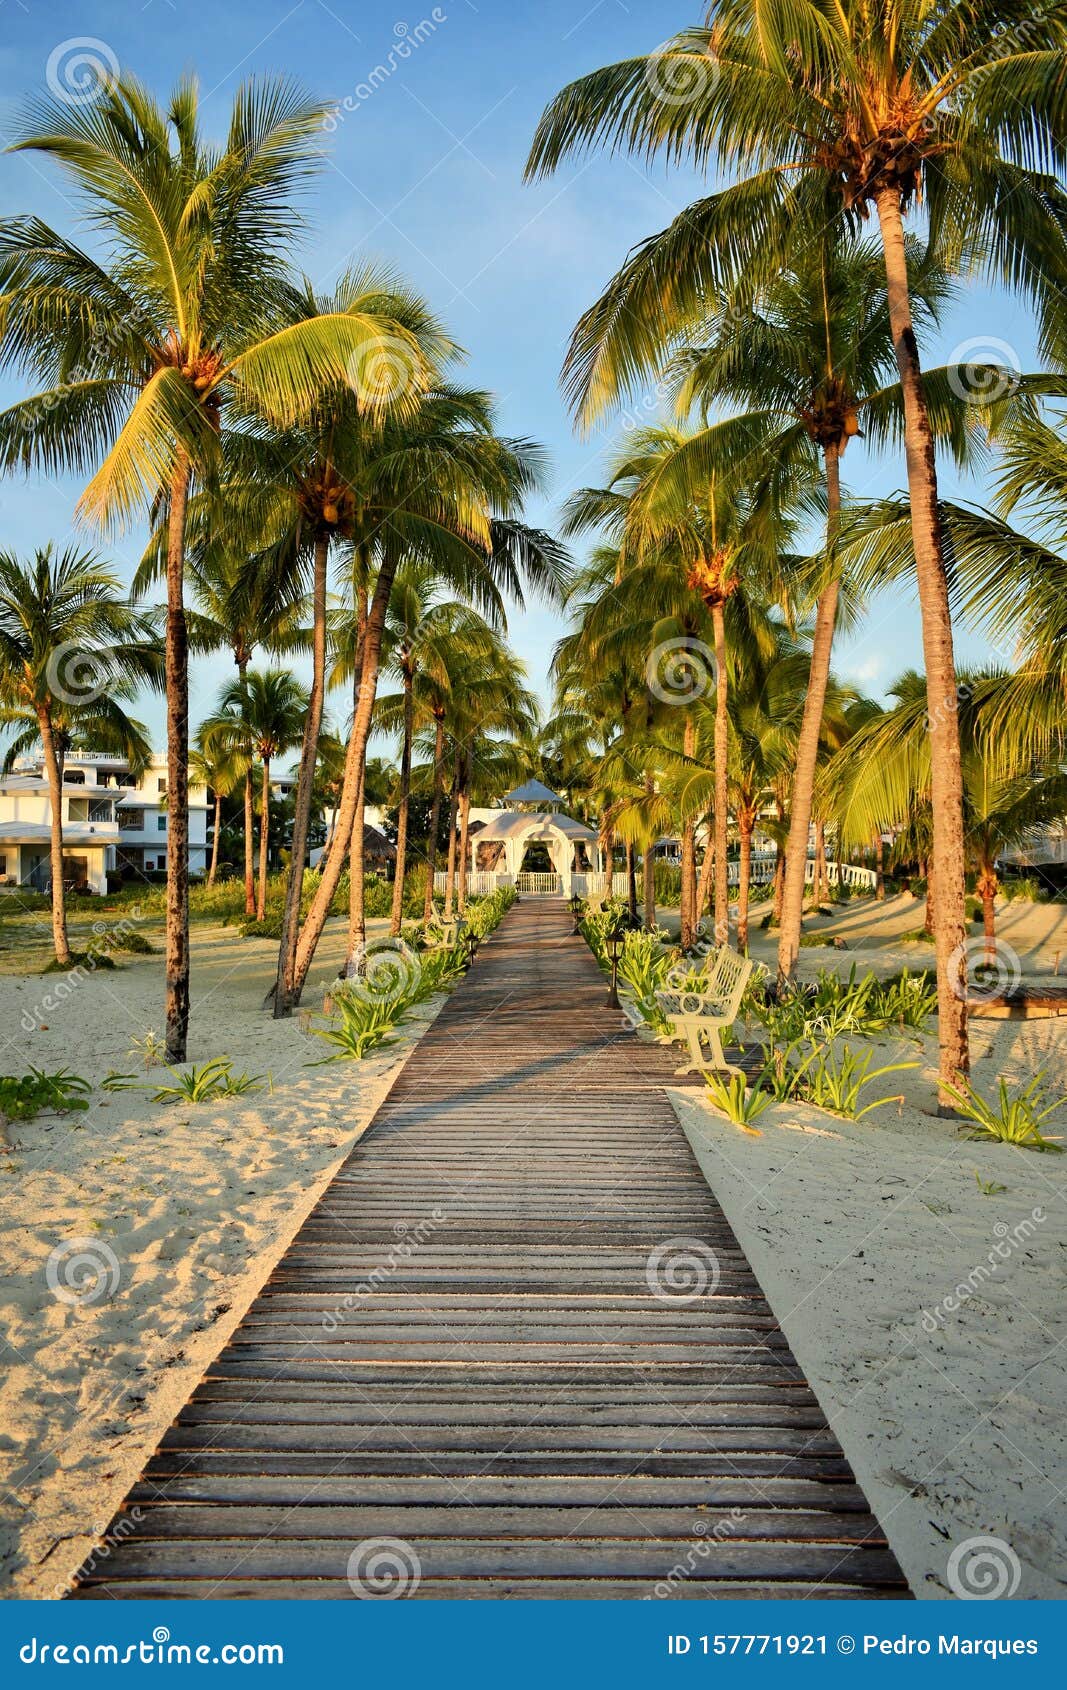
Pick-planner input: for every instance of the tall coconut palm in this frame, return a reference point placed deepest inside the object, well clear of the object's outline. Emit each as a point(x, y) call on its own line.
point(439, 485)
point(71, 648)
point(262, 716)
point(424, 645)
point(219, 770)
point(838, 113)
point(138, 351)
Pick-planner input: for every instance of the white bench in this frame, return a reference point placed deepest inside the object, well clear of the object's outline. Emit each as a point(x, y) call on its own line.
point(442, 932)
point(704, 1010)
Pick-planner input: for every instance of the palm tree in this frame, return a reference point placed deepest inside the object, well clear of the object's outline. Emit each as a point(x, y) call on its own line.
point(882, 779)
point(260, 716)
point(437, 486)
point(139, 353)
point(838, 113)
point(71, 647)
point(219, 770)
point(424, 645)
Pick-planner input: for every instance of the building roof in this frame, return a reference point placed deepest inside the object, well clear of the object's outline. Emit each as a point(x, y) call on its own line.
point(39, 833)
point(375, 844)
point(511, 825)
point(532, 792)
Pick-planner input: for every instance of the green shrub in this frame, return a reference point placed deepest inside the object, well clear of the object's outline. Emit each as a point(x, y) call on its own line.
point(835, 1082)
point(1010, 1120)
point(741, 1103)
point(24, 1096)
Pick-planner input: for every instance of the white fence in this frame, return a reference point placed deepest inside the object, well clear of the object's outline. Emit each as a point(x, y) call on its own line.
point(591, 885)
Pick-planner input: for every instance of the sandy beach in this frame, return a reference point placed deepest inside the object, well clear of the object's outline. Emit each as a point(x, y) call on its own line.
point(171, 1215)
point(929, 1316)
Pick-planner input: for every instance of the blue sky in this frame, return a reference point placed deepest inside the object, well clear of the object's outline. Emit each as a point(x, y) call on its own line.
point(426, 175)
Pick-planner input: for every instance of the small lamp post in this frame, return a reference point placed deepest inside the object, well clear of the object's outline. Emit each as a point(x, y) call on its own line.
point(613, 939)
point(471, 941)
point(576, 910)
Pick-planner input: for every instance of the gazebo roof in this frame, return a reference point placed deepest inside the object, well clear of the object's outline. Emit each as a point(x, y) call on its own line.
point(510, 826)
point(532, 792)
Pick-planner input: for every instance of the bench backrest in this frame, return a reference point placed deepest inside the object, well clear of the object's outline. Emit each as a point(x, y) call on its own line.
point(728, 978)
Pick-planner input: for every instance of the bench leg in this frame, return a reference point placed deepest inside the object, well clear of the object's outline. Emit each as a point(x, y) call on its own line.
point(697, 1063)
point(718, 1060)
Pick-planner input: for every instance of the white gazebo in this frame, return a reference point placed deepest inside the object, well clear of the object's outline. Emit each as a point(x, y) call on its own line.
point(498, 849)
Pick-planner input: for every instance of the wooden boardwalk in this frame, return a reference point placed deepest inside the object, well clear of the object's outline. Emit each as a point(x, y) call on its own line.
point(514, 1351)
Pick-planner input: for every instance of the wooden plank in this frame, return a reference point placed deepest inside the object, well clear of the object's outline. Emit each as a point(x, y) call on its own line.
point(466, 1346)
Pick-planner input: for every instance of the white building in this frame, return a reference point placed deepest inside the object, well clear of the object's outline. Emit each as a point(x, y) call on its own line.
point(112, 823)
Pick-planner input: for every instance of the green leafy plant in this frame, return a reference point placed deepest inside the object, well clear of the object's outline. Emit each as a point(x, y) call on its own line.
point(199, 1084)
point(783, 1077)
point(24, 1096)
point(115, 1081)
point(236, 1085)
point(150, 1049)
point(988, 1187)
point(1008, 1119)
point(741, 1103)
point(836, 1081)
point(364, 1025)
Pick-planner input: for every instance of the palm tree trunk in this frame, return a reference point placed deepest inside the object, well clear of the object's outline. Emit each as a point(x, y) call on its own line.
point(820, 886)
point(177, 682)
point(264, 842)
point(435, 815)
point(987, 889)
point(216, 830)
point(807, 754)
point(930, 919)
point(355, 763)
point(356, 946)
point(744, 882)
point(54, 772)
point(687, 913)
point(631, 880)
point(453, 810)
point(722, 751)
point(463, 848)
point(304, 782)
point(250, 852)
point(780, 866)
point(704, 885)
point(648, 868)
point(945, 766)
point(879, 868)
point(405, 805)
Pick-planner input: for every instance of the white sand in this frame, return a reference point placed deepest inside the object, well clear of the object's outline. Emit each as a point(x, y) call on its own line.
point(956, 1425)
point(192, 1203)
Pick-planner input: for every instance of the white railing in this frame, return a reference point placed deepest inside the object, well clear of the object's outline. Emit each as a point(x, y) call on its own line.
point(593, 885)
point(482, 881)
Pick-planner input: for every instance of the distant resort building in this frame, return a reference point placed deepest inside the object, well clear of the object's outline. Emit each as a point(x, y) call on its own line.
point(113, 823)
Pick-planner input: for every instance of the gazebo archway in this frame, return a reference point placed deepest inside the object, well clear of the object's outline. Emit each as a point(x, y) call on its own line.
point(569, 845)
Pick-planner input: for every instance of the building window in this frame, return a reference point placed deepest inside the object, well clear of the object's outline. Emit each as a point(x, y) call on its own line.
point(161, 784)
point(161, 824)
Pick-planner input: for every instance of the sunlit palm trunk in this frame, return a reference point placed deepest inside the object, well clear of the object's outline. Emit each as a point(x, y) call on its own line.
point(704, 884)
point(453, 812)
point(405, 806)
point(264, 838)
point(689, 852)
point(304, 783)
point(948, 865)
point(177, 681)
point(722, 751)
point(820, 886)
point(879, 868)
point(250, 847)
point(463, 848)
point(215, 832)
point(356, 946)
point(987, 889)
point(744, 883)
point(796, 854)
point(350, 807)
point(631, 880)
point(648, 868)
point(435, 814)
point(60, 941)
